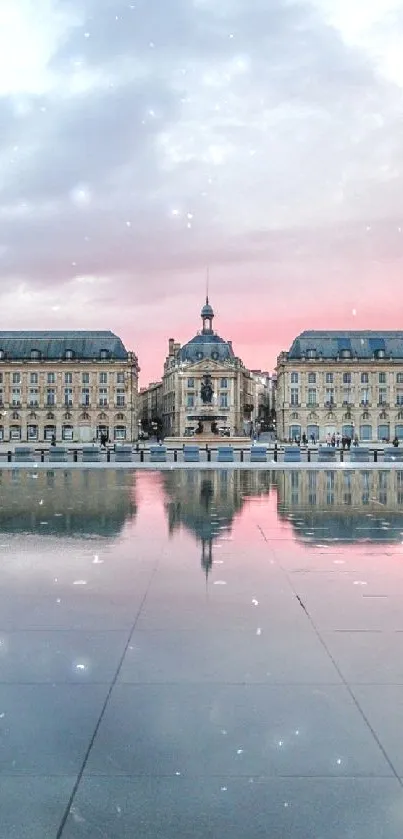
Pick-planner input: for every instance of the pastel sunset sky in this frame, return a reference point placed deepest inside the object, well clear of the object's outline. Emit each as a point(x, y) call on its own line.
point(142, 140)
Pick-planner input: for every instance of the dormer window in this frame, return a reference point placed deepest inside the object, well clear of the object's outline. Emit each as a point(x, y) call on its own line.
point(104, 354)
point(69, 354)
point(199, 354)
point(311, 353)
point(379, 353)
point(35, 355)
point(345, 353)
point(214, 355)
point(2, 355)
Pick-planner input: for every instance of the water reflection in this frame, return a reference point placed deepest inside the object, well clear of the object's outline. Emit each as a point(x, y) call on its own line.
point(71, 503)
point(207, 503)
point(349, 505)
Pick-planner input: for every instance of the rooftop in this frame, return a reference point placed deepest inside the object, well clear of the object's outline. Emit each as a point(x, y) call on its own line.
point(53, 345)
point(363, 344)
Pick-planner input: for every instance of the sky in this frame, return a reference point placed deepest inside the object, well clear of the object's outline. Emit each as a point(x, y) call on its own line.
point(142, 141)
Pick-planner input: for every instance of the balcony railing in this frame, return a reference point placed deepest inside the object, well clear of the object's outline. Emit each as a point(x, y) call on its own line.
point(383, 404)
point(365, 404)
point(330, 404)
point(312, 404)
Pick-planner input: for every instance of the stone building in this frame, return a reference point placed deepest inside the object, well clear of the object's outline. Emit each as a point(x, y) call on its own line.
point(205, 355)
point(341, 382)
point(150, 407)
point(71, 385)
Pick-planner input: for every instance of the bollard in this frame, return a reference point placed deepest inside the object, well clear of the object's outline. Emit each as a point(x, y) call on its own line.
point(42, 456)
point(208, 454)
point(75, 455)
point(308, 452)
point(108, 455)
point(241, 455)
point(175, 455)
point(9, 457)
point(141, 455)
point(375, 455)
point(275, 454)
point(341, 456)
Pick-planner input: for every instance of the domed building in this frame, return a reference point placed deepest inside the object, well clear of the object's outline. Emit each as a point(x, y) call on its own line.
point(205, 386)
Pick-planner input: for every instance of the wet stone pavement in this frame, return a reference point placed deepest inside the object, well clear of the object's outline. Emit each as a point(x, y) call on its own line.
point(200, 654)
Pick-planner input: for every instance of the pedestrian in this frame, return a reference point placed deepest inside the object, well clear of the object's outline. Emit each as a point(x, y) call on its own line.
point(395, 442)
point(338, 440)
point(333, 441)
point(328, 440)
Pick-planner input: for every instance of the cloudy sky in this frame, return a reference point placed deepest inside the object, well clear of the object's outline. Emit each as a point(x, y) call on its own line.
point(144, 140)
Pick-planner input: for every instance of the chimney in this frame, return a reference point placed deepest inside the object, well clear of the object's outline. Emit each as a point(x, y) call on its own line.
point(171, 345)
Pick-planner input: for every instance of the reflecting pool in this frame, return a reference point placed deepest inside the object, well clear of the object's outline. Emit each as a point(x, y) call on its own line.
point(201, 654)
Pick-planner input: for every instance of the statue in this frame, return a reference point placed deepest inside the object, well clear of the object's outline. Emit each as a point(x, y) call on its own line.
point(206, 391)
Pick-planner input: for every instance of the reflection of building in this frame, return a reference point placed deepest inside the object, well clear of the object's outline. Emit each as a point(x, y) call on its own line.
point(72, 503)
point(207, 354)
point(207, 503)
point(74, 385)
point(344, 504)
point(347, 382)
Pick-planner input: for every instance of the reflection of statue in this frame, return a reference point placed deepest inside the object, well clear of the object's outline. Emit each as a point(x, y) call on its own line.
point(206, 391)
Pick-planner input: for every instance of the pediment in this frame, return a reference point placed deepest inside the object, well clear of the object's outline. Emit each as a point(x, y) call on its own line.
point(206, 366)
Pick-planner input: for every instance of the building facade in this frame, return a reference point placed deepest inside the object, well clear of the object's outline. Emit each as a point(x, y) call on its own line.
point(206, 354)
point(347, 383)
point(72, 386)
point(150, 408)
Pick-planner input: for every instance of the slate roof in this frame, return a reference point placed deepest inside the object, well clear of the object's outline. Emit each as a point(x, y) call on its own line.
point(362, 344)
point(85, 345)
point(210, 345)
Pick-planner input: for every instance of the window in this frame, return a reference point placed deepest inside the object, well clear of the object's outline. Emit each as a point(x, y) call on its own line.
point(85, 396)
point(85, 378)
point(69, 354)
point(312, 378)
point(365, 396)
point(312, 396)
point(120, 397)
point(1, 378)
point(120, 432)
point(190, 400)
point(103, 378)
point(50, 396)
point(329, 378)
point(33, 397)
point(68, 396)
point(68, 378)
point(15, 432)
point(33, 378)
point(2, 355)
point(399, 378)
point(382, 396)
point(120, 378)
point(32, 432)
point(16, 396)
point(51, 378)
point(399, 397)
point(382, 378)
point(329, 396)
point(191, 383)
point(50, 431)
point(104, 354)
point(35, 355)
point(16, 378)
point(294, 378)
point(364, 378)
point(294, 396)
point(103, 397)
point(347, 378)
point(223, 400)
point(67, 432)
point(1, 396)
point(223, 383)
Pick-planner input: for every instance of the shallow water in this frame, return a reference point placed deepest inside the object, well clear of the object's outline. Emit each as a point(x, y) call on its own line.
point(200, 654)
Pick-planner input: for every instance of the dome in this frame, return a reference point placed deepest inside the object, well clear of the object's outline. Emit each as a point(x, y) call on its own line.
point(207, 311)
point(206, 346)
